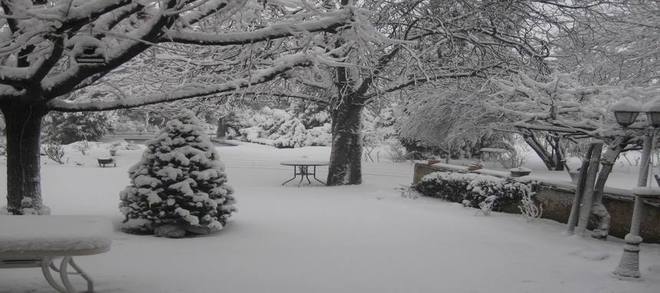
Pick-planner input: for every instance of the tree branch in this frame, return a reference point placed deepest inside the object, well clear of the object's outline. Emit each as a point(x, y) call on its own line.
point(329, 23)
point(416, 81)
point(138, 42)
point(190, 90)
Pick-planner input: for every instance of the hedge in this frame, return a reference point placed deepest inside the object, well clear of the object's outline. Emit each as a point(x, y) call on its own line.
point(472, 189)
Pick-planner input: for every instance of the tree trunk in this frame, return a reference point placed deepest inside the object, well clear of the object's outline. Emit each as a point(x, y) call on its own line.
point(599, 211)
point(222, 128)
point(579, 191)
point(588, 192)
point(552, 159)
point(23, 128)
point(346, 156)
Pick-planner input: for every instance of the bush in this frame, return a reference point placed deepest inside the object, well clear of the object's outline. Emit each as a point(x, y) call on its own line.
point(282, 129)
point(179, 186)
point(65, 128)
point(474, 189)
point(55, 152)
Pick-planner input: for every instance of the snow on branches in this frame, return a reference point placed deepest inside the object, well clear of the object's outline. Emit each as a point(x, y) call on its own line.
point(559, 103)
point(41, 62)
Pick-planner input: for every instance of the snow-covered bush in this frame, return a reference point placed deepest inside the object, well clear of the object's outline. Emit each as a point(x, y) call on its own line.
point(512, 158)
point(475, 190)
point(284, 129)
point(378, 128)
point(65, 128)
point(179, 185)
point(529, 209)
point(54, 152)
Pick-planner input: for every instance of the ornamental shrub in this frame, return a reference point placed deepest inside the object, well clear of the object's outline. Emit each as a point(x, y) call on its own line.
point(65, 128)
point(179, 186)
point(474, 189)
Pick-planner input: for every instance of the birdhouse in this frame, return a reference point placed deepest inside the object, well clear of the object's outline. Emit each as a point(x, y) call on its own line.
point(89, 51)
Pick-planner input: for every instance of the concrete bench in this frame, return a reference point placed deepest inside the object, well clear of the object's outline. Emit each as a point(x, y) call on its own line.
point(38, 241)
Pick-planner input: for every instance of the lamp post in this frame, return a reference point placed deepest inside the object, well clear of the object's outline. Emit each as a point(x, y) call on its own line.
point(625, 116)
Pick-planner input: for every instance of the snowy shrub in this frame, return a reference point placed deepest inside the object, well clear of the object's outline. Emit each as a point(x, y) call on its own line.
point(512, 158)
point(283, 129)
point(289, 134)
point(81, 146)
point(407, 191)
point(486, 206)
point(54, 152)
point(396, 151)
point(124, 145)
point(475, 190)
point(529, 209)
point(179, 185)
point(65, 128)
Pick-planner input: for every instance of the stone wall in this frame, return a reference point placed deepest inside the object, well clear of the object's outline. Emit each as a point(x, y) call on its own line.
point(557, 199)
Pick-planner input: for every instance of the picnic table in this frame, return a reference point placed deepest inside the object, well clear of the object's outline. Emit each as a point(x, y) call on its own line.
point(303, 169)
point(38, 241)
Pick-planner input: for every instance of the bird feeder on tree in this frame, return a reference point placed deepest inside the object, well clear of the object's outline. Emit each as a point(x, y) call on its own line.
point(89, 50)
point(626, 111)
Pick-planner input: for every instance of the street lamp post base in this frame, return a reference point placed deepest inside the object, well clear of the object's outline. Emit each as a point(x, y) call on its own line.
point(629, 265)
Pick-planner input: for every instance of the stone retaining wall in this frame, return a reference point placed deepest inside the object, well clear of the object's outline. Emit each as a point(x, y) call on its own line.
point(557, 199)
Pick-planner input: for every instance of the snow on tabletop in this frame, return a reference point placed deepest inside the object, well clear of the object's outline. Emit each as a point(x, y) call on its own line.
point(304, 162)
point(77, 235)
point(628, 104)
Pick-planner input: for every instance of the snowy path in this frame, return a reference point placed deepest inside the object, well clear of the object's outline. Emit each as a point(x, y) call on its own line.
point(342, 239)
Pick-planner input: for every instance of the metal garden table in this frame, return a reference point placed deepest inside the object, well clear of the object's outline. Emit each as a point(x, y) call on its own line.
point(304, 169)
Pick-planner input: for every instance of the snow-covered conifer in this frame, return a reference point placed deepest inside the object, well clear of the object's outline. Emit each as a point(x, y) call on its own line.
point(179, 185)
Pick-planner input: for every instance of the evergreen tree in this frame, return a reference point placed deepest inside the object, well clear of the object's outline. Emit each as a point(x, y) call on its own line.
point(179, 186)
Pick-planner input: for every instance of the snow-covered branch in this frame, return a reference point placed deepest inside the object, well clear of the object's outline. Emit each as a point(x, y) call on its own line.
point(208, 7)
point(137, 41)
point(188, 91)
point(90, 11)
point(421, 80)
point(329, 22)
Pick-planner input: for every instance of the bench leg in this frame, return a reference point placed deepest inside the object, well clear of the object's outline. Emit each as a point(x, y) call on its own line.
point(90, 283)
point(63, 270)
point(45, 268)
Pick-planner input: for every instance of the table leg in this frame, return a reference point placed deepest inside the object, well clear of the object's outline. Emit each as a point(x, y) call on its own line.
point(294, 176)
point(307, 174)
point(303, 171)
point(314, 175)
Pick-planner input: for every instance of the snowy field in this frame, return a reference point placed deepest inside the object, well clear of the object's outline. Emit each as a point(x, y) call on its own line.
point(365, 238)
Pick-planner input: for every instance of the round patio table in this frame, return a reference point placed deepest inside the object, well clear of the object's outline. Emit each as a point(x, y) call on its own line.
point(303, 169)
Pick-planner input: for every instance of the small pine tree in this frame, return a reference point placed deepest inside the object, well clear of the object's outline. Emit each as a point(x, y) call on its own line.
point(179, 185)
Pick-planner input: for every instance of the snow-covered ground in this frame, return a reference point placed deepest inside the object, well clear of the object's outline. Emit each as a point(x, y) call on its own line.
point(365, 238)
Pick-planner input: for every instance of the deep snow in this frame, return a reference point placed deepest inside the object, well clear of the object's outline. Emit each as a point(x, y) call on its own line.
point(363, 238)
